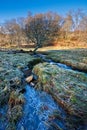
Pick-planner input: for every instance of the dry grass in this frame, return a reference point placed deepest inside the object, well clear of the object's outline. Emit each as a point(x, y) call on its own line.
point(59, 45)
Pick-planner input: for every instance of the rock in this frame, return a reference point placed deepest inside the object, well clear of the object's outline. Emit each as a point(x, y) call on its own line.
point(29, 79)
point(32, 84)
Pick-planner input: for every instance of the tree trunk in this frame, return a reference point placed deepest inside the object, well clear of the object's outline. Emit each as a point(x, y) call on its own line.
point(34, 51)
point(38, 45)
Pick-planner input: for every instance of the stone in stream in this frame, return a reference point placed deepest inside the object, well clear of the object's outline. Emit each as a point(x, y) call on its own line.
point(29, 79)
point(32, 84)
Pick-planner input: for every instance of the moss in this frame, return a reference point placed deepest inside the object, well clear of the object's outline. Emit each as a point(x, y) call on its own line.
point(73, 99)
point(44, 79)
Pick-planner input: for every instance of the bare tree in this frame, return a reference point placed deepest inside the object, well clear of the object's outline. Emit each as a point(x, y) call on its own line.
point(67, 25)
point(77, 16)
point(10, 27)
point(83, 29)
point(42, 27)
point(14, 31)
point(72, 24)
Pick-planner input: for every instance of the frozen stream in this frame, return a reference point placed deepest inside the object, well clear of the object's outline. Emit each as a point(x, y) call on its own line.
point(37, 109)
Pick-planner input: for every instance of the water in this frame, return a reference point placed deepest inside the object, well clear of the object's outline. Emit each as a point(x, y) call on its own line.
point(3, 117)
point(37, 109)
point(61, 65)
point(53, 63)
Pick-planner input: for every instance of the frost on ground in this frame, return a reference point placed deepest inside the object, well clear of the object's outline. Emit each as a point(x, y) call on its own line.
point(11, 83)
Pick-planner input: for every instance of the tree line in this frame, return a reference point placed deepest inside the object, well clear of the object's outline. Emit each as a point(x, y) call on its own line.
point(44, 29)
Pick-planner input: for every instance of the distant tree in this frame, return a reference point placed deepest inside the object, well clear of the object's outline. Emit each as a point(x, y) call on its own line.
point(83, 29)
point(77, 16)
point(71, 28)
point(79, 26)
point(21, 22)
point(67, 25)
point(41, 28)
point(14, 30)
point(11, 28)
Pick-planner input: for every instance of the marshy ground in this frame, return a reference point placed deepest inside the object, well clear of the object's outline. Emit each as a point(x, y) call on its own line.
point(67, 87)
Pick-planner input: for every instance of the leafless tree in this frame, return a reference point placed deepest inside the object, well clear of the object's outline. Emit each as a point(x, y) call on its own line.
point(15, 30)
point(42, 27)
point(83, 29)
point(67, 25)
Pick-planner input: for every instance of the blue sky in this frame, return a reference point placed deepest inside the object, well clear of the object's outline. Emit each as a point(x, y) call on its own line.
point(18, 8)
